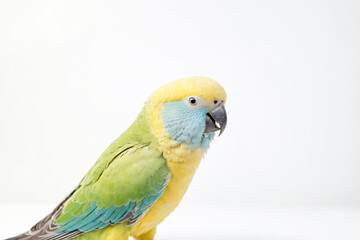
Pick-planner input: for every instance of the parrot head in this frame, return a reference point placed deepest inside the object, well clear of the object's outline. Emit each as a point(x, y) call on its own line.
point(188, 112)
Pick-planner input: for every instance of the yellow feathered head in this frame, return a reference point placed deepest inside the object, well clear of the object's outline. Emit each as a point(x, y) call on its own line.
point(188, 112)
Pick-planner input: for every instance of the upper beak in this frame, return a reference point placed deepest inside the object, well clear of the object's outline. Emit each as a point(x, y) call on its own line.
point(216, 120)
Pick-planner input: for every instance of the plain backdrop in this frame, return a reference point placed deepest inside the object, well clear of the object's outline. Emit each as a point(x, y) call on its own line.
point(75, 74)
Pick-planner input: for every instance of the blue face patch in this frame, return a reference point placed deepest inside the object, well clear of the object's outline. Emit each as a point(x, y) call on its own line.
point(186, 125)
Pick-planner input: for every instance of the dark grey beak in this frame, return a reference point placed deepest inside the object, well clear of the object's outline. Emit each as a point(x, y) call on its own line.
point(216, 120)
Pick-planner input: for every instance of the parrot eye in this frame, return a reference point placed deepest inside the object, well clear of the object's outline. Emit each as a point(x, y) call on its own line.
point(195, 102)
point(215, 101)
point(192, 101)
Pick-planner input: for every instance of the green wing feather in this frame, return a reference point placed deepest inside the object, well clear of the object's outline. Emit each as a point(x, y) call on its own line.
point(133, 180)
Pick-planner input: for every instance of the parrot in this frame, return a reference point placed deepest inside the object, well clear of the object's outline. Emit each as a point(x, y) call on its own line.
point(143, 175)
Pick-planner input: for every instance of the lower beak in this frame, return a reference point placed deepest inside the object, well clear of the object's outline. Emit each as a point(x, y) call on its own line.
point(216, 120)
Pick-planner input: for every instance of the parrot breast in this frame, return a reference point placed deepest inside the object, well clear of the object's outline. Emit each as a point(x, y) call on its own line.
point(181, 176)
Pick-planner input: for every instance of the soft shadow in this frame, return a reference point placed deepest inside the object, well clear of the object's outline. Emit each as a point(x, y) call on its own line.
point(225, 237)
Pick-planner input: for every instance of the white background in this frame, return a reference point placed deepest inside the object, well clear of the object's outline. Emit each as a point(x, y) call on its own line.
point(74, 75)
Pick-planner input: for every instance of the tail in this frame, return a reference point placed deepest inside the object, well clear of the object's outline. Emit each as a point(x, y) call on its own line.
point(50, 236)
point(23, 236)
point(46, 229)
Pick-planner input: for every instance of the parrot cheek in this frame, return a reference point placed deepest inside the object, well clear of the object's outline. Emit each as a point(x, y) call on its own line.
point(183, 124)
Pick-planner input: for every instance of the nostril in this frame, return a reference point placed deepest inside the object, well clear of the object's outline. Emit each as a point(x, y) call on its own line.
point(219, 102)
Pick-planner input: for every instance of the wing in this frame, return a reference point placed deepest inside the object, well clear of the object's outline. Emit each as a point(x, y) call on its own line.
point(122, 187)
